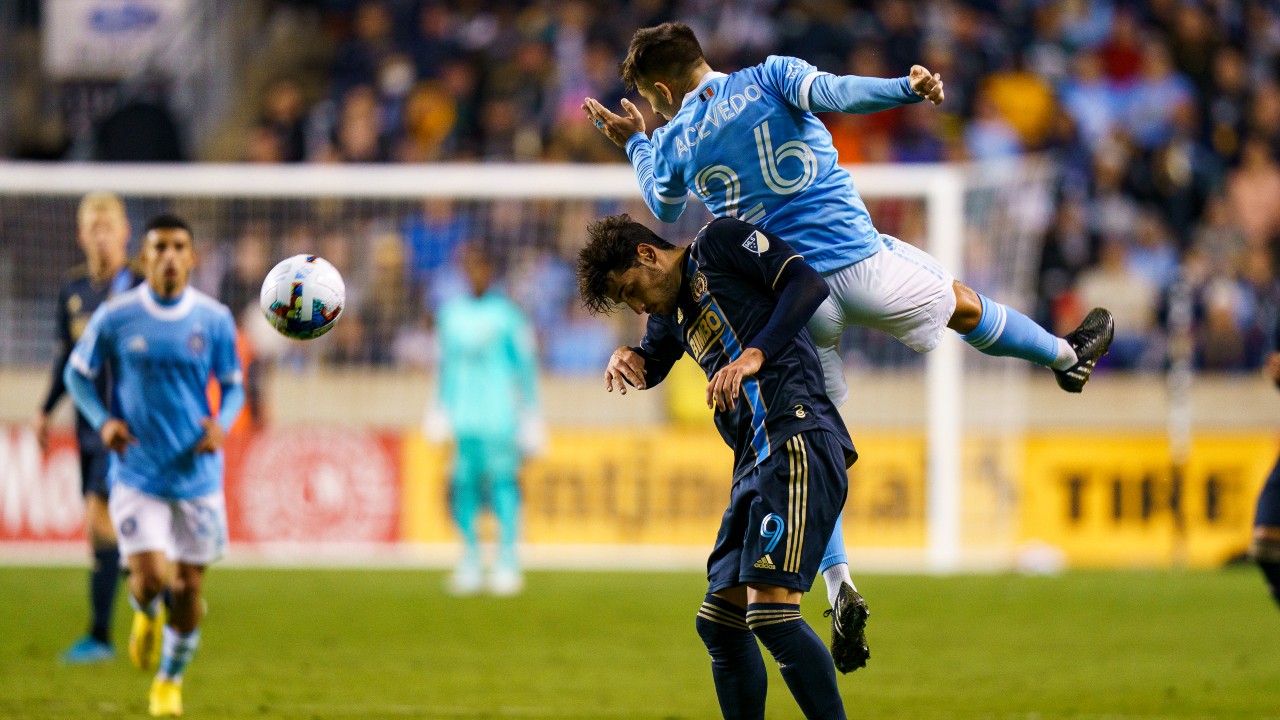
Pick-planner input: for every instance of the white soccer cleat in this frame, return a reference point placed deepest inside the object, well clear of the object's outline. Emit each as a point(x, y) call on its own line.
point(506, 582)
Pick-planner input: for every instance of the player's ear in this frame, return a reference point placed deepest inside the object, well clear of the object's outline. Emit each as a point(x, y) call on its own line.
point(646, 254)
point(662, 89)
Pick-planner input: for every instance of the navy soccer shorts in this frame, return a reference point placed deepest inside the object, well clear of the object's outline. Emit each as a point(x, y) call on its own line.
point(781, 516)
point(93, 472)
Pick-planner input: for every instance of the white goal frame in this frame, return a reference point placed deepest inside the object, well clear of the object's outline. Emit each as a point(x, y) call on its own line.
point(940, 186)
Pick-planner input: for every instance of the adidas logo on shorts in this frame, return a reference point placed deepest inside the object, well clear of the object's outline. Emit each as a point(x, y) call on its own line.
point(766, 563)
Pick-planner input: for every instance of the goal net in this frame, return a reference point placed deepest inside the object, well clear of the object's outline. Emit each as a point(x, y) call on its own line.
point(936, 486)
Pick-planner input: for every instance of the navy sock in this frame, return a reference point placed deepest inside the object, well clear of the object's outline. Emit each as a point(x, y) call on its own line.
point(804, 661)
point(102, 590)
point(1271, 570)
point(736, 664)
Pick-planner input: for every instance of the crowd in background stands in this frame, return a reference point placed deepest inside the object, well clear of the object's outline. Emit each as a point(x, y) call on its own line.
point(1164, 116)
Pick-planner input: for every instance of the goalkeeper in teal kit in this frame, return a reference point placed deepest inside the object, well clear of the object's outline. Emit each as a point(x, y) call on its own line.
point(748, 145)
point(487, 403)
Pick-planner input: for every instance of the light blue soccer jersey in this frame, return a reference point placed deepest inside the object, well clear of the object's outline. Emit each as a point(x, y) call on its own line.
point(161, 357)
point(748, 146)
point(488, 365)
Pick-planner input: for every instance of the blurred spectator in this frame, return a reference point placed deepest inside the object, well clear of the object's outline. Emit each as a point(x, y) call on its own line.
point(359, 57)
point(284, 117)
point(1154, 96)
point(1252, 190)
point(433, 45)
point(1132, 299)
point(1024, 99)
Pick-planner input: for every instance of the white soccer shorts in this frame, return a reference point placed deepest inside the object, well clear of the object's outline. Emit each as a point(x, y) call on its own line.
point(901, 290)
point(190, 531)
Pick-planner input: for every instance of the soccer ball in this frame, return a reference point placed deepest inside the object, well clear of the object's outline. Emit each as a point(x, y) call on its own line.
point(303, 296)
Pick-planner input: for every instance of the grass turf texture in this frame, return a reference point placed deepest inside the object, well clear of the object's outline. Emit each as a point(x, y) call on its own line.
point(390, 644)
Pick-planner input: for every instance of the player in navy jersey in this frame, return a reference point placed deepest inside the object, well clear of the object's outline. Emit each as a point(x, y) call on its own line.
point(748, 146)
point(737, 301)
point(1265, 548)
point(161, 342)
point(102, 231)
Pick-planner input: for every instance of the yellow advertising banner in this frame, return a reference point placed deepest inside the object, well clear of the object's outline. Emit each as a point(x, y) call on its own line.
point(1101, 500)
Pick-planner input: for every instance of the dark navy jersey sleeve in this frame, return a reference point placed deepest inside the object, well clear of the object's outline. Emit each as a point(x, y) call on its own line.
point(743, 249)
point(57, 387)
point(774, 268)
point(660, 348)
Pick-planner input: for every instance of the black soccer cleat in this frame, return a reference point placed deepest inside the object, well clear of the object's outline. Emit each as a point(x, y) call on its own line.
point(849, 630)
point(1090, 340)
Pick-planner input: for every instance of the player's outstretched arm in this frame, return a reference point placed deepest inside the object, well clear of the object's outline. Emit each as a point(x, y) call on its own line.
point(626, 367)
point(615, 127)
point(860, 95)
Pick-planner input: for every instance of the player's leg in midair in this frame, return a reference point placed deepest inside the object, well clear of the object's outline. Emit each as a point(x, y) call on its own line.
point(1265, 549)
point(848, 610)
point(464, 503)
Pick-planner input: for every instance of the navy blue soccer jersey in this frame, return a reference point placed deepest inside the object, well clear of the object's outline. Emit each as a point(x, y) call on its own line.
point(78, 298)
point(727, 297)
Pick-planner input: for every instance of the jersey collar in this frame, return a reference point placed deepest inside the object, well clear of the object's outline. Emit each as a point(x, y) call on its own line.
point(713, 75)
point(176, 311)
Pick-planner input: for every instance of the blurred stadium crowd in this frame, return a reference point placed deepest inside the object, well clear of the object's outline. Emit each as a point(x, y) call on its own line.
point(1162, 116)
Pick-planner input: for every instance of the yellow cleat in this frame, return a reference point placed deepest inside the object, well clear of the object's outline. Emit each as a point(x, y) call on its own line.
point(146, 639)
point(166, 698)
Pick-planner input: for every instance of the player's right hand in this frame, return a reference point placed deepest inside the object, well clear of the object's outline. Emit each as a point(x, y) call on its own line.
point(40, 426)
point(116, 436)
point(615, 127)
point(626, 367)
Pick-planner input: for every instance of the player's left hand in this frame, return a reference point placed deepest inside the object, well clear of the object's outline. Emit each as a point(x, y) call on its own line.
point(722, 391)
point(615, 127)
point(213, 436)
point(925, 84)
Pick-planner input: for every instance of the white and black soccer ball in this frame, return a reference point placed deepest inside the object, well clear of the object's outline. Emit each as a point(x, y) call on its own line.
point(303, 296)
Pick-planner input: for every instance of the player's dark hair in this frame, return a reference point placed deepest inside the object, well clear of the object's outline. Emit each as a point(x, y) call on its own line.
point(663, 53)
point(611, 247)
point(168, 221)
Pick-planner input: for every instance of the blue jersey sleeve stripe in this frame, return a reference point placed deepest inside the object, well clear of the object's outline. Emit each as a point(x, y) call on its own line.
point(78, 362)
point(669, 199)
point(803, 101)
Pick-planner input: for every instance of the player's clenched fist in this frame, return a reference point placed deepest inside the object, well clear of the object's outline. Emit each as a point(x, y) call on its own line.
point(926, 85)
point(626, 367)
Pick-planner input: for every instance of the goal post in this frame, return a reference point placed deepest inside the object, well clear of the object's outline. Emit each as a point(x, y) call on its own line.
point(957, 204)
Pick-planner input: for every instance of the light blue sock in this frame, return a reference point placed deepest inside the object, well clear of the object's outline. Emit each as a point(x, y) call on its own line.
point(178, 650)
point(1006, 332)
point(834, 554)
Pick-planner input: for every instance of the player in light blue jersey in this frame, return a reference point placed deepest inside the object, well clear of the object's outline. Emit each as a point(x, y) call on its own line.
point(748, 146)
point(487, 404)
point(161, 342)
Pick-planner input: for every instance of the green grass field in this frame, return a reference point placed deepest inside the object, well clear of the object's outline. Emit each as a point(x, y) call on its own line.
point(390, 644)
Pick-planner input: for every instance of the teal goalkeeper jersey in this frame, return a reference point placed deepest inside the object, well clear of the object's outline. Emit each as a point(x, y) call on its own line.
point(749, 147)
point(488, 365)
